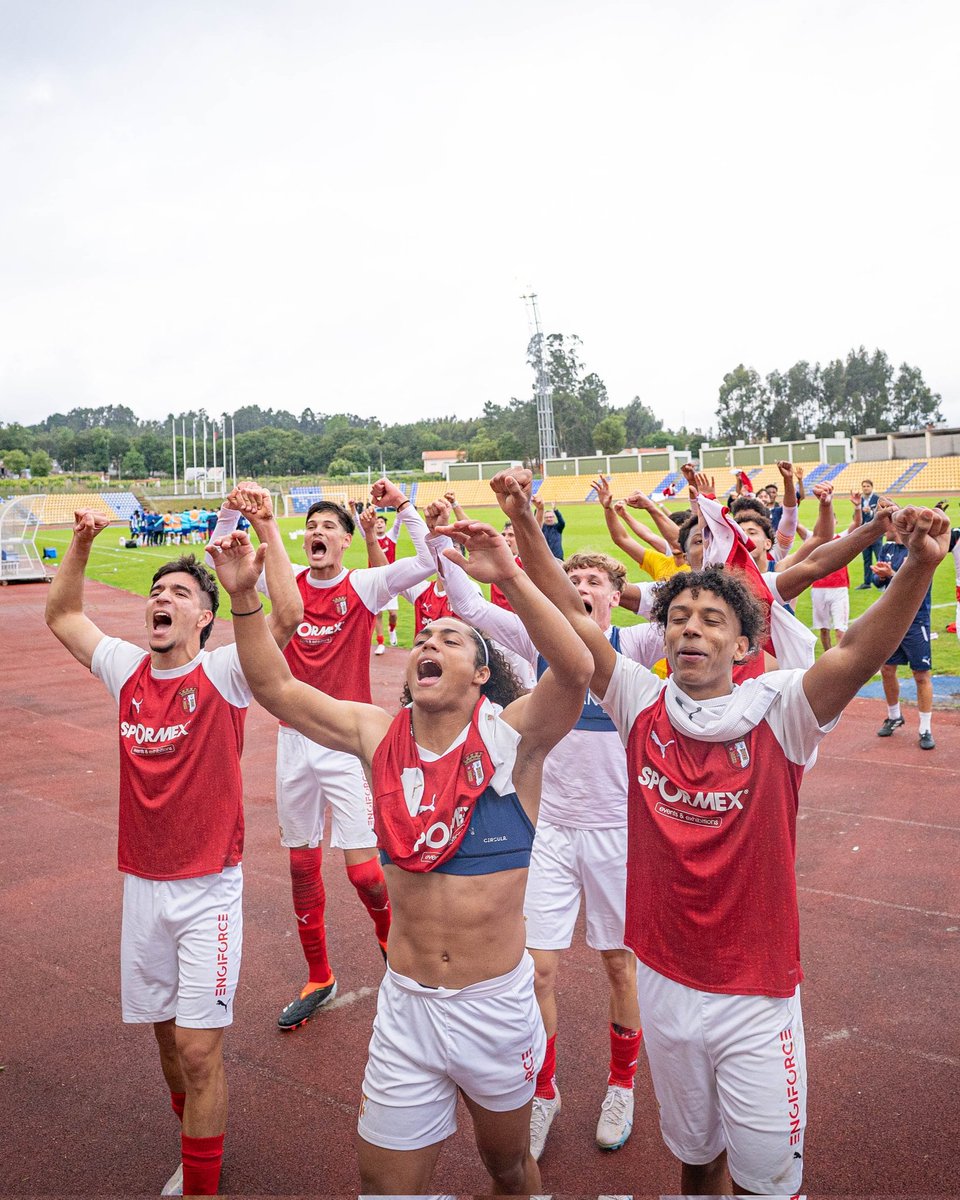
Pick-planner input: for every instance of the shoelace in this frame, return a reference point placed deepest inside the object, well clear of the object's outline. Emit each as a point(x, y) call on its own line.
point(615, 1102)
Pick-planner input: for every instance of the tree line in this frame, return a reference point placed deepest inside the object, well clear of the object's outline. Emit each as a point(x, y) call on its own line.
point(861, 392)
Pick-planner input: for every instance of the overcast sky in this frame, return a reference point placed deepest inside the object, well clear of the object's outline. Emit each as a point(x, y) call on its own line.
point(210, 203)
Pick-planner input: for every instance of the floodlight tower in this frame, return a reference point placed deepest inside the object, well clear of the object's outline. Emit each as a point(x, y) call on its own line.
point(545, 426)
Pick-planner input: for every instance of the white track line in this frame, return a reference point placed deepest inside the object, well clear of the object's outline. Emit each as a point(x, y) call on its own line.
point(924, 912)
point(839, 812)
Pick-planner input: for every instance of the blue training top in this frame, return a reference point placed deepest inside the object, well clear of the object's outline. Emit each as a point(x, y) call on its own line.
point(498, 838)
point(592, 717)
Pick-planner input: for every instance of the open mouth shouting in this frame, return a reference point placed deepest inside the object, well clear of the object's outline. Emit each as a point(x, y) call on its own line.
point(162, 620)
point(428, 672)
point(317, 547)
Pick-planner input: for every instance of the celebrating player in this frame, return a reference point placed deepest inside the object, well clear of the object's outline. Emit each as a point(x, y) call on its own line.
point(182, 711)
point(330, 649)
point(456, 786)
point(581, 845)
point(712, 915)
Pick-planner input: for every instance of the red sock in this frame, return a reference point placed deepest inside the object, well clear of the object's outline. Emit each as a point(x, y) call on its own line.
point(309, 900)
point(202, 1158)
point(624, 1049)
point(367, 878)
point(545, 1089)
point(177, 1101)
point(379, 639)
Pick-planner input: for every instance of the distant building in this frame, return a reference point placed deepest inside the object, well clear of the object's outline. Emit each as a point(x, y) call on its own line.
point(440, 460)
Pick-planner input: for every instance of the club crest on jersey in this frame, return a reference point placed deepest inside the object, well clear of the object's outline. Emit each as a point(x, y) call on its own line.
point(340, 604)
point(738, 754)
point(188, 698)
point(473, 765)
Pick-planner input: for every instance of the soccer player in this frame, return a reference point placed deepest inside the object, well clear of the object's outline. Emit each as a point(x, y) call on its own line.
point(915, 648)
point(182, 711)
point(388, 544)
point(714, 774)
point(580, 850)
point(456, 786)
point(330, 650)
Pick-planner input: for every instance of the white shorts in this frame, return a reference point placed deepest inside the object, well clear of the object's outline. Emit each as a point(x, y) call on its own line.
point(729, 1072)
point(831, 608)
point(486, 1039)
point(309, 777)
point(566, 863)
point(391, 605)
point(180, 947)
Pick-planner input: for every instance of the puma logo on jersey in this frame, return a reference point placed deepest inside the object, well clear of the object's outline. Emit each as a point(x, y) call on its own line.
point(222, 1004)
point(137, 704)
point(662, 746)
point(428, 807)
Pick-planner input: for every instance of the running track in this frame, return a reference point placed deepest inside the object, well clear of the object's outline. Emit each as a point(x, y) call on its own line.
point(82, 1103)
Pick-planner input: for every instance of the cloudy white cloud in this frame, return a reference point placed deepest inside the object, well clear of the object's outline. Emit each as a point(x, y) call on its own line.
point(339, 206)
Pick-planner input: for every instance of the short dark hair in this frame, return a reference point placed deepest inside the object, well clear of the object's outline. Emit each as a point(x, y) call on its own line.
point(342, 515)
point(764, 522)
point(205, 580)
point(679, 517)
point(683, 533)
point(730, 586)
point(744, 504)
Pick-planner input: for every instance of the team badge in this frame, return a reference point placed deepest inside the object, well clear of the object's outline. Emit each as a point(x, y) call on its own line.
point(473, 765)
point(188, 698)
point(340, 604)
point(738, 754)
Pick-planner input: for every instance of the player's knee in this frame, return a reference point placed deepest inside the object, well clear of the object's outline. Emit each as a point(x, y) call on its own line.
point(200, 1059)
point(544, 977)
point(507, 1167)
point(621, 970)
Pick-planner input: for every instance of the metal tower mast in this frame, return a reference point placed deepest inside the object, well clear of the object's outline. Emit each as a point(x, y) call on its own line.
point(545, 426)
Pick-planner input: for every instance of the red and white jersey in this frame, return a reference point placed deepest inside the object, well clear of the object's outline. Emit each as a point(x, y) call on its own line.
point(388, 543)
point(429, 603)
point(585, 774)
point(713, 794)
point(181, 737)
point(330, 648)
point(836, 579)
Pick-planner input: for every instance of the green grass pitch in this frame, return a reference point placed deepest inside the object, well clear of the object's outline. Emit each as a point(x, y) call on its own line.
point(132, 570)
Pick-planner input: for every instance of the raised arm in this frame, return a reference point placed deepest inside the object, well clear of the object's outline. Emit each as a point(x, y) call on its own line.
point(512, 491)
point(653, 540)
point(286, 603)
point(832, 682)
point(824, 529)
point(337, 724)
point(832, 555)
point(618, 535)
point(787, 529)
point(552, 709)
point(451, 499)
point(64, 613)
point(367, 519)
point(661, 518)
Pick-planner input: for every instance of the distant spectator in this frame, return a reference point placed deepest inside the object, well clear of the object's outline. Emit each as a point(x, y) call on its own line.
point(868, 510)
point(553, 525)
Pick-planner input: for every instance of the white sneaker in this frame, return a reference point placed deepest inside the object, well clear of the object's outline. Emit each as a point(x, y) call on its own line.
point(174, 1185)
point(541, 1118)
point(393, 638)
point(616, 1118)
point(381, 648)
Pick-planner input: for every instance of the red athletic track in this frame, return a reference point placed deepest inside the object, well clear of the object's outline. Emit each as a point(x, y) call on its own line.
point(82, 1103)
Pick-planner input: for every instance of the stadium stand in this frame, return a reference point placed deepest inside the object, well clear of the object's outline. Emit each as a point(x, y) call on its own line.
point(59, 509)
point(124, 504)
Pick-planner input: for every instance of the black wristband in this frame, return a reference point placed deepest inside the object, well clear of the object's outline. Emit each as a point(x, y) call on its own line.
point(252, 613)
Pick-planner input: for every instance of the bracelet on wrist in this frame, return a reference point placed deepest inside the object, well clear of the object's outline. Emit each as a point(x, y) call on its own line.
point(250, 613)
point(401, 504)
